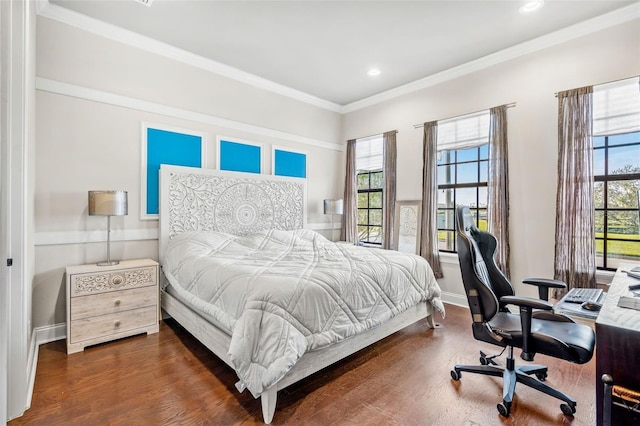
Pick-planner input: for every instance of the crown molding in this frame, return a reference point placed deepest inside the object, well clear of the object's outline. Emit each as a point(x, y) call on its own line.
point(83, 22)
point(80, 92)
point(130, 38)
point(598, 23)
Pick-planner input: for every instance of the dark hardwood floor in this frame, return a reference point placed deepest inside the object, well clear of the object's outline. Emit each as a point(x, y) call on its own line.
point(170, 378)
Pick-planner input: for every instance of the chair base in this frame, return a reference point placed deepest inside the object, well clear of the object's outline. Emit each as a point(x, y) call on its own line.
point(510, 376)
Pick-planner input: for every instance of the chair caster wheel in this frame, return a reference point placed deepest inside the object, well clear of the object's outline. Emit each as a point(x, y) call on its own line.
point(504, 408)
point(568, 409)
point(483, 361)
point(455, 375)
point(541, 376)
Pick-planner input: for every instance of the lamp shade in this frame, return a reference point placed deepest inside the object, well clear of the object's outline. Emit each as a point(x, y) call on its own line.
point(108, 203)
point(333, 206)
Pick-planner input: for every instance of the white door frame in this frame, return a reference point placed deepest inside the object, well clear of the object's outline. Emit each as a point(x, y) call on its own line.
point(4, 219)
point(17, 136)
point(4, 273)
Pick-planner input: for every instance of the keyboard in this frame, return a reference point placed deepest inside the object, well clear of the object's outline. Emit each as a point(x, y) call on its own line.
point(581, 295)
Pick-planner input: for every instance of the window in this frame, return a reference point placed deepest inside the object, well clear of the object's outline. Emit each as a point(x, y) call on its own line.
point(370, 181)
point(616, 169)
point(617, 181)
point(463, 168)
point(462, 180)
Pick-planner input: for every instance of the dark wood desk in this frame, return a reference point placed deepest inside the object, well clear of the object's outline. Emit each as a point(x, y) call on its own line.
point(618, 347)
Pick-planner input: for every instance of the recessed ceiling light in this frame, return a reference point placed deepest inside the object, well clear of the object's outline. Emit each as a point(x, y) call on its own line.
point(531, 6)
point(373, 72)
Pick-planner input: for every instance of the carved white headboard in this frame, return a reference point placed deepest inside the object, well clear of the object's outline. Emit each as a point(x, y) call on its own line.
point(194, 199)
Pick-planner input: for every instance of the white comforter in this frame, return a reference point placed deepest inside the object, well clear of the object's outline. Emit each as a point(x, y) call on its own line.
point(282, 293)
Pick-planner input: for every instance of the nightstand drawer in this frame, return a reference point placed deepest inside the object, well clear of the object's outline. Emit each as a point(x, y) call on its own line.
point(113, 301)
point(95, 282)
point(89, 328)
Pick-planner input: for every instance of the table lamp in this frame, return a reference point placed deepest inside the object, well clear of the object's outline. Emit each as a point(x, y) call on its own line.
point(108, 203)
point(333, 207)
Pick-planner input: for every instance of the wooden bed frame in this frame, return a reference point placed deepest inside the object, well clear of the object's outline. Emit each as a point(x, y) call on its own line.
point(179, 205)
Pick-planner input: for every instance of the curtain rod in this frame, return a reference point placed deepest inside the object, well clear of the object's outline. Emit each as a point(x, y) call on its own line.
point(509, 105)
point(376, 134)
point(606, 82)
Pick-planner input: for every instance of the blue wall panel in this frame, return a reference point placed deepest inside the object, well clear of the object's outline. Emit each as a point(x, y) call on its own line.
point(164, 147)
point(289, 163)
point(239, 157)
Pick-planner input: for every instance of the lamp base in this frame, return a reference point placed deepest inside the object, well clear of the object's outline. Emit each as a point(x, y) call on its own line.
point(108, 263)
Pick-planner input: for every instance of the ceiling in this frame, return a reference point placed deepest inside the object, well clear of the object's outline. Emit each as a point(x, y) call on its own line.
point(325, 48)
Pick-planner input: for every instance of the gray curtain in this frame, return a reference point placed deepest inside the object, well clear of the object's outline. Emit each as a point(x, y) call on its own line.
point(429, 219)
point(575, 261)
point(498, 191)
point(389, 192)
point(349, 231)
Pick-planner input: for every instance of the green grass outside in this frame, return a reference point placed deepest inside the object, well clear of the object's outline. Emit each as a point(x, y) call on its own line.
point(630, 248)
point(442, 235)
point(627, 249)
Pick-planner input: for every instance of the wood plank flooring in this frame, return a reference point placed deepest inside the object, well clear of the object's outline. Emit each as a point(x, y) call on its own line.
point(170, 378)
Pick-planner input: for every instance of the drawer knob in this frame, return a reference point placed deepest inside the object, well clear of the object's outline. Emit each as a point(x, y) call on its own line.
point(117, 280)
point(116, 323)
point(116, 302)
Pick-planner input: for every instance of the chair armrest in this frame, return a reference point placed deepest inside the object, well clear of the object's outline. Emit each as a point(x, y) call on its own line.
point(528, 302)
point(527, 305)
point(543, 285)
point(545, 282)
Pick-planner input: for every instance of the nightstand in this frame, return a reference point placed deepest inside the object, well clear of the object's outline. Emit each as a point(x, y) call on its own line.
point(105, 303)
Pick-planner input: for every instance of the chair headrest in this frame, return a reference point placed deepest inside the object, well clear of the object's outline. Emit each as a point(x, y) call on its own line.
point(465, 219)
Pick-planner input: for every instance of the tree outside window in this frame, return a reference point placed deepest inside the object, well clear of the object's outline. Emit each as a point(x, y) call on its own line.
point(370, 185)
point(463, 170)
point(617, 182)
point(370, 182)
point(462, 180)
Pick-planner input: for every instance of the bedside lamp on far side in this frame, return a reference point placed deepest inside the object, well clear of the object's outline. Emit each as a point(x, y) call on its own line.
point(108, 203)
point(333, 207)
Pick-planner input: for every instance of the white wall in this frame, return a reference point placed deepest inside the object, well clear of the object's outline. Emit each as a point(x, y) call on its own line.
point(531, 81)
point(93, 94)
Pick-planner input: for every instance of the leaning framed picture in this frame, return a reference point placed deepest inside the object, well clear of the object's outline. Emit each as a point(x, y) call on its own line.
point(407, 226)
point(165, 145)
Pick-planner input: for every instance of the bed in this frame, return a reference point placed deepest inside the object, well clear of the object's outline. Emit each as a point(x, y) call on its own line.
point(273, 300)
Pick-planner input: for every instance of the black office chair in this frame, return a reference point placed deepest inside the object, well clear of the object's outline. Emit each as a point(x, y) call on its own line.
point(536, 329)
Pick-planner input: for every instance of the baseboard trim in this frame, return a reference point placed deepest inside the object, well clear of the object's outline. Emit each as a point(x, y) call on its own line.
point(40, 336)
point(455, 299)
point(50, 333)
